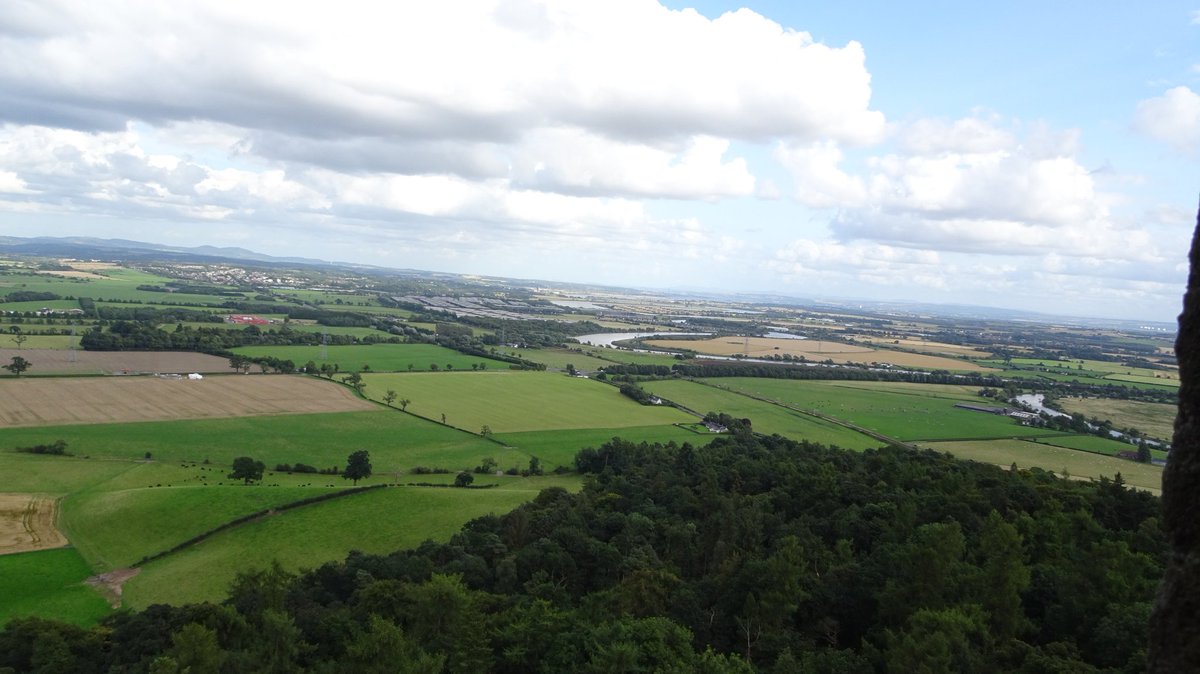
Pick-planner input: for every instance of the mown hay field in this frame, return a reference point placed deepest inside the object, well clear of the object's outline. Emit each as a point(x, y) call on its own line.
point(816, 350)
point(28, 522)
point(377, 357)
point(509, 401)
point(66, 361)
point(925, 346)
point(31, 401)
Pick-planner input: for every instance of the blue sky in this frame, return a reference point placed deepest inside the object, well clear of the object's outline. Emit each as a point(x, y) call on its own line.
point(1027, 155)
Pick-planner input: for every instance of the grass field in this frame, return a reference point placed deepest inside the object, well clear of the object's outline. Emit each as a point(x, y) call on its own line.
point(40, 342)
point(558, 448)
point(1092, 443)
point(558, 358)
point(56, 475)
point(1057, 459)
point(1154, 419)
point(910, 412)
point(509, 401)
point(396, 441)
point(377, 521)
point(49, 584)
point(924, 346)
point(116, 528)
point(766, 418)
point(380, 357)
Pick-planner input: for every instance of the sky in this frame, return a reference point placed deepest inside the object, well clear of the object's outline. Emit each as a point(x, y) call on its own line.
point(1030, 155)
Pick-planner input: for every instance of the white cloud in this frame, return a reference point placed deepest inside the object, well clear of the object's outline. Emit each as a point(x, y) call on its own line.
point(572, 160)
point(1173, 118)
point(11, 183)
point(475, 72)
point(819, 181)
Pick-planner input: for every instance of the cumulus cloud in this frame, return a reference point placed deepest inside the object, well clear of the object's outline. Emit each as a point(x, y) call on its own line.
point(571, 160)
point(306, 80)
point(1173, 118)
point(969, 186)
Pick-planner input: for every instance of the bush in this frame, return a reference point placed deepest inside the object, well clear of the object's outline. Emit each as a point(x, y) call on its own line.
point(58, 448)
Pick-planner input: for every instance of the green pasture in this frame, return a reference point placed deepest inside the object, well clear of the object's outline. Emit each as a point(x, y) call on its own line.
point(911, 415)
point(396, 441)
point(1161, 380)
point(22, 307)
point(558, 448)
point(380, 357)
point(765, 417)
point(557, 359)
point(40, 341)
point(115, 529)
point(57, 475)
point(49, 584)
point(377, 521)
point(1099, 445)
point(118, 284)
point(1154, 419)
point(635, 358)
point(1057, 459)
point(511, 401)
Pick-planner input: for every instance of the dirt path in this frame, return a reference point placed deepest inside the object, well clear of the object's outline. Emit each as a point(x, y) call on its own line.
point(27, 522)
point(109, 584)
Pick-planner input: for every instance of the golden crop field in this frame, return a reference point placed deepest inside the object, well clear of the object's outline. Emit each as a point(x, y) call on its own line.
point(32, 401)
point(813, 349)
point(27, 522)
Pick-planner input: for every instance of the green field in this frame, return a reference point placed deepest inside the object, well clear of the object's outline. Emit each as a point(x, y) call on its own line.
point(1154, 419)
point(40, 341)
point(510, 401)
point(766, 418)
point(380, 357)
point(117, 528)
point(49, 584)
point(557, 359)
point(912, 412)
point(396, 441)
point(377, 521)
point(1092, 443)
point(1060, 460)
point(558, 448)
point(118, 284)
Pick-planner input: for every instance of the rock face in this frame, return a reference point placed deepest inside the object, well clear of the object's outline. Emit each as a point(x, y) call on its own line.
point(1175, 624)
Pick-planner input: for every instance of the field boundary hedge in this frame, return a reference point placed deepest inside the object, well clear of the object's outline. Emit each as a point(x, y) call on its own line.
point(199, 538)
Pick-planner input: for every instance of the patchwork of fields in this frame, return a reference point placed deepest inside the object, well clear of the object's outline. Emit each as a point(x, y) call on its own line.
point(816, 350)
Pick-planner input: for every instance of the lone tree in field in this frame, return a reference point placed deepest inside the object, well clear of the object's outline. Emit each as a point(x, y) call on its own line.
point(389, 397)
point(18, 365)
point(18, 337)
point(463, 479)
point(358, 466)
point(404, 403)
point(246, 468)
point(355, 381)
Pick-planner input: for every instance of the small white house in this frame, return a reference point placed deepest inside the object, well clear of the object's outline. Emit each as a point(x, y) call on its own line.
point(195, 375)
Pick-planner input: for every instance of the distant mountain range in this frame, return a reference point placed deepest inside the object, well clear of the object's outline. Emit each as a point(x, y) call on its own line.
point(89, 247)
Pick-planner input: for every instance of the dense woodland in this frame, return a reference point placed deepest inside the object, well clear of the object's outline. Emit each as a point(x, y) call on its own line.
point(750, 554)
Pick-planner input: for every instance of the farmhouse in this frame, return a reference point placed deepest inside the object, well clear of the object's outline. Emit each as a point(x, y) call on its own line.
point(246, 319)
point(714, 427)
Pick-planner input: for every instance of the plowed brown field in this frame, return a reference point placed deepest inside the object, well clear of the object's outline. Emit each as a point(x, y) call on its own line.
point(31, 401)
